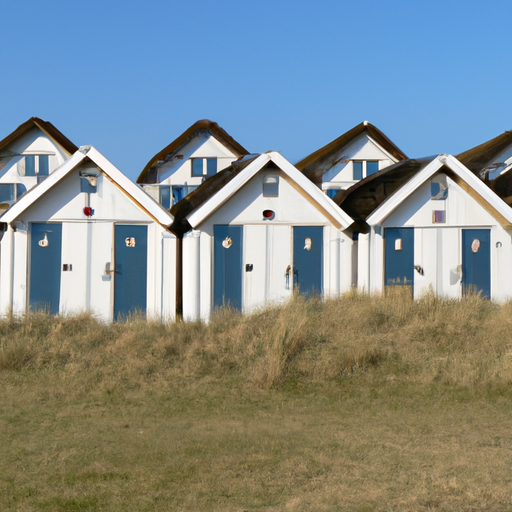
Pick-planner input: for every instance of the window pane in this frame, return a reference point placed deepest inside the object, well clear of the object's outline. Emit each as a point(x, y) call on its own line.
point(44, 166)
point(358, 170)
point(30, 165)
point(188, 189)
point(20, 190)
point(197, 167)
point(177, 193)
point(6, 193)
point(371, 168)
point(165, 196)
point(211, 166)
point(331, 192)
point(271, 186)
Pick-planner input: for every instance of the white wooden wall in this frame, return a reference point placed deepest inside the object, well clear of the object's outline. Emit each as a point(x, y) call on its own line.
point(267, 245)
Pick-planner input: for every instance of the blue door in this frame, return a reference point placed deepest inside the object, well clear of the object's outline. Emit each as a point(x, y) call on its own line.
point(130, 264)
point(227, 266)
point(308, 259)
point(45, 267)
point(399, 257)
point(476, 261)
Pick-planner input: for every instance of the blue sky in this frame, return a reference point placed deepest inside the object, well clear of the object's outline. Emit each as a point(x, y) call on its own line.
point(129, 77)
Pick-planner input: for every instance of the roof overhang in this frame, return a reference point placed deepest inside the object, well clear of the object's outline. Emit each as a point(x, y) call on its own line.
point(337, 216)
point(463, 176)
point(112, 173)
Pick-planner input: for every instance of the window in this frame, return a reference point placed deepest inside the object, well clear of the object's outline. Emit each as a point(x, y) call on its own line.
point(204, 166)
point(180, 191)
point(371, 168)
point(358, 170)
point(362, 168)
point(11, 192)
point(211, 166)
point(270, 186)
point(35, 165)
point(331, 192)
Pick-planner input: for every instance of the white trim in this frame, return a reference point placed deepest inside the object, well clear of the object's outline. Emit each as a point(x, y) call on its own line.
point(385, 151)
point(219, 198)
point(396, 199)
point(132, 190)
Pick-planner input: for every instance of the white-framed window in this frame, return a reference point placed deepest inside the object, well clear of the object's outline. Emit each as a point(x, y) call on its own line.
point(167, 195)
point(271, 186)
point(204, 166)
point(35, 165)
point(363, 168)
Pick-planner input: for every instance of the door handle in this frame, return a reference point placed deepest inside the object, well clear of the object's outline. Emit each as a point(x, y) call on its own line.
point(109, 270)
point(287, 277)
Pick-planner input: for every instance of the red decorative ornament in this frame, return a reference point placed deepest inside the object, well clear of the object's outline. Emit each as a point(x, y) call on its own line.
point(88, 211)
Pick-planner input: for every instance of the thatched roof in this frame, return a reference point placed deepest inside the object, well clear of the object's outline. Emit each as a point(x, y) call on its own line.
point(204, 192)
point(205, 125)
point(364, 197)
point(46, 127)
point(475, 159)
point(321, 161)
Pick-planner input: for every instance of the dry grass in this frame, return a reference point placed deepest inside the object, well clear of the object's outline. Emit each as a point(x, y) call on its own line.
point(358, 404)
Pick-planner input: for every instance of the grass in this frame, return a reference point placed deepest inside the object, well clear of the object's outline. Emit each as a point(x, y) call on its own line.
point(356, 404)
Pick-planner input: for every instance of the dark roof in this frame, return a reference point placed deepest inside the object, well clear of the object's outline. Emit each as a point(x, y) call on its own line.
point(318, 163)
point(177, 144)
point(364, 197)
point(205, 191)
point(46, 127)
point(502, 186)
point(475, 159)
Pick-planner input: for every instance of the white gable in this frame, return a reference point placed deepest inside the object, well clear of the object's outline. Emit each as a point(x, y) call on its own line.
point(66, 202)
point(33, 142)
point(363, 149)
point(460, 209)
point(246, 206)
point(400, 197)
point(116, 195)
point(178, 171)
point(308, 192)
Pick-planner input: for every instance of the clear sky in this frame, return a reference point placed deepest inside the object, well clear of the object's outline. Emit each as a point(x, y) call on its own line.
point(130, 76)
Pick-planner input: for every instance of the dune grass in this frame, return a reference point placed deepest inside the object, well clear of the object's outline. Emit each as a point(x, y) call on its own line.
point(354, 404)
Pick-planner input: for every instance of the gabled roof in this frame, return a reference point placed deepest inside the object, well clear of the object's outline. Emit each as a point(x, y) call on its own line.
point(411, 175)
point(315, 165)
point(365, 196)
point(214, 192)
point(88, 153)
point(475, 159)
point(46, 127)
point(204, 125)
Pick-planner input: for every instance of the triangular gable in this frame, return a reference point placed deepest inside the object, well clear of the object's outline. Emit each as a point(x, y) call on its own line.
point(203, 125)
point(207, 208)
point(141, 198)
point(468, 181)
point(45, 127)
point(310, 164)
